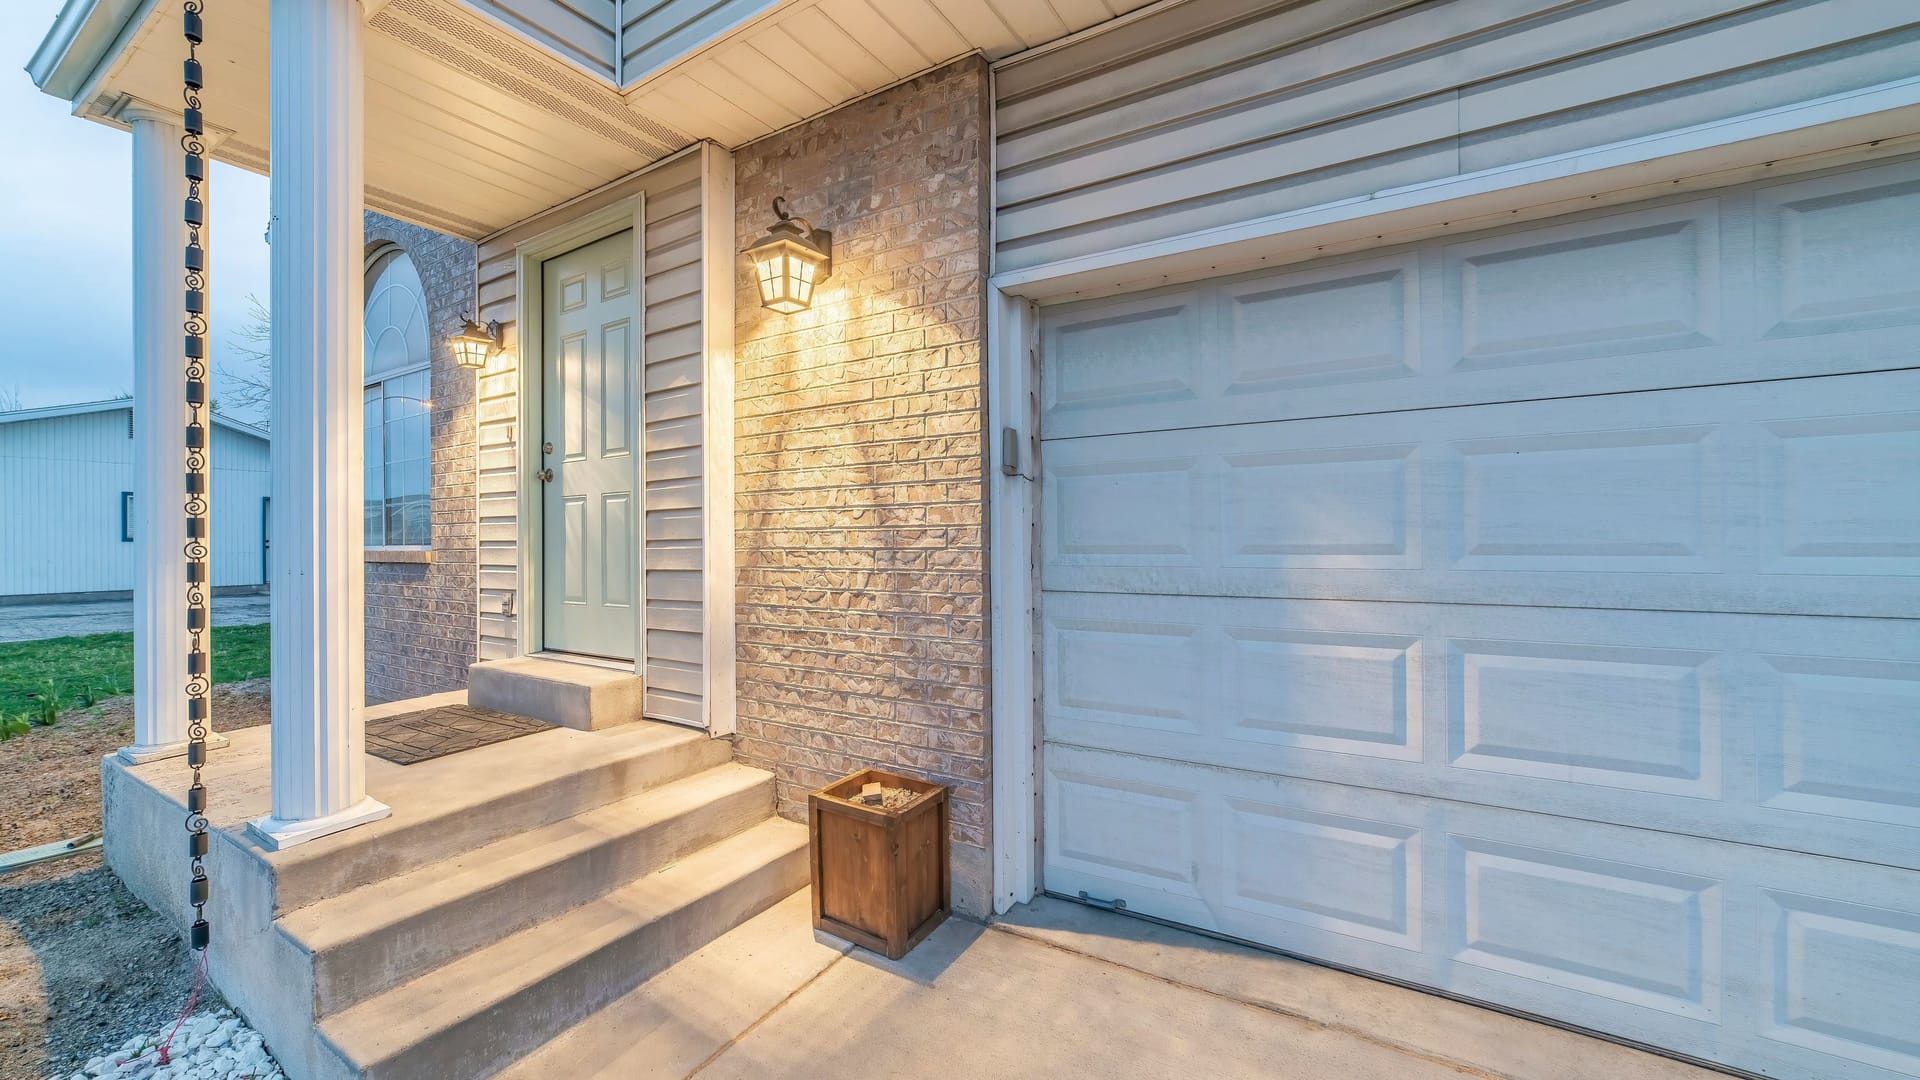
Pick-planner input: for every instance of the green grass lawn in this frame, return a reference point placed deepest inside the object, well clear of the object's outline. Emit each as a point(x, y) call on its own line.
point(81, 670)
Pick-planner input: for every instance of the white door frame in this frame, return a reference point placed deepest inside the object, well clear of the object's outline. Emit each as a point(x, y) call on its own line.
point(528, 258)
point(1874, 123)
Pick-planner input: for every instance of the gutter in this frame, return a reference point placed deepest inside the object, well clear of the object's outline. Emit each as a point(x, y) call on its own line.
point(82, 37)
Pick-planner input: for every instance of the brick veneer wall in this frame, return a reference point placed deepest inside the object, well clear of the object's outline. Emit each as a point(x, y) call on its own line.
point(422, 629)
point(862, 570)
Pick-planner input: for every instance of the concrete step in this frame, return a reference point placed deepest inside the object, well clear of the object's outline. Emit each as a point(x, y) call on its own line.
point(651, 1032)
point(381, 935)
point(583, 696)
point(480, 1013)
point(465, 801)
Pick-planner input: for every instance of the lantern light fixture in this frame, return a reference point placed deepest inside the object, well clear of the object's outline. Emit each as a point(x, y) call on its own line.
point(474, 344)
point(790, 261)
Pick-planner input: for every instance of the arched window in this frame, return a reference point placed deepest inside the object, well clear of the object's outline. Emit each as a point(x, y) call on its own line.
point(398, 408)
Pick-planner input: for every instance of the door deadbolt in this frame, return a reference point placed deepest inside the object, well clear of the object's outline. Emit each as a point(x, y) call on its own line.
point(546, 448)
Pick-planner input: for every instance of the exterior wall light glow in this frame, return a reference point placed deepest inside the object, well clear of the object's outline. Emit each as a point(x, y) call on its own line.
point(790, 260)
point(475, 343)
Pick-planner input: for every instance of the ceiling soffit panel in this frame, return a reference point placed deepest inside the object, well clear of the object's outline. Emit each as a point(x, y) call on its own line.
point(797, 60)
point(496, 56)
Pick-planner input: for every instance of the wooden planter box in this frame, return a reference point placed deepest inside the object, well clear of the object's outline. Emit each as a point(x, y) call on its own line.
point(879, 876)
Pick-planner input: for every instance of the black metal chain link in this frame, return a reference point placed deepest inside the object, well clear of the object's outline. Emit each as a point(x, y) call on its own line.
point(199, 686)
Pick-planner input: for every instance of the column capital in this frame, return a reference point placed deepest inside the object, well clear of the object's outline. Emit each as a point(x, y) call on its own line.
point(131, 110)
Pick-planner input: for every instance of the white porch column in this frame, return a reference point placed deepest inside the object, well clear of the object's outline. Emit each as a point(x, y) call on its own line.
point(315, 86)
point(159, 456)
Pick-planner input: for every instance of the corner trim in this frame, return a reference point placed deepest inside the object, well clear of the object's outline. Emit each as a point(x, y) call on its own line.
point(718, 291)
point(1013, 513)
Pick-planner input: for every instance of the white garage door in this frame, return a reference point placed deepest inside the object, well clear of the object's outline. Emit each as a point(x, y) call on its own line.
point(1528, 615)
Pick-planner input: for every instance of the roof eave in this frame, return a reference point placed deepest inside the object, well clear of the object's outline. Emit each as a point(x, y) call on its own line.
point(81, 39)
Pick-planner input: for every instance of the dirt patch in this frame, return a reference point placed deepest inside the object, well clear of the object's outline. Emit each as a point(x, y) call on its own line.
point(50, 777)
point(83, 964)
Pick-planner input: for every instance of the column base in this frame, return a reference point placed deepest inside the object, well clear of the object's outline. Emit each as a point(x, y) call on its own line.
point(140, 755)
point(276, 834)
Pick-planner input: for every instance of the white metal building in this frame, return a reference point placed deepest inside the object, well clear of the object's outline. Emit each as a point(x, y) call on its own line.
point(67, 491)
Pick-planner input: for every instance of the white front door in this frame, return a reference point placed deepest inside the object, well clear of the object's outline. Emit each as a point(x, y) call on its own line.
point(1530, 615)
point(591, 445)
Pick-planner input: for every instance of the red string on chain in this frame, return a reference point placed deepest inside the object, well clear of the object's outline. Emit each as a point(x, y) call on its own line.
point(193, 998)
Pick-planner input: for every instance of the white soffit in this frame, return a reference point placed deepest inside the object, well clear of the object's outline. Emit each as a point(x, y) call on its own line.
point(807, 57)
point(472, 127)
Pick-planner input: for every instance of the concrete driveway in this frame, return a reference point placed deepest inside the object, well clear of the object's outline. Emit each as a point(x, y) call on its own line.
point(1055, 990)
point(35, 622)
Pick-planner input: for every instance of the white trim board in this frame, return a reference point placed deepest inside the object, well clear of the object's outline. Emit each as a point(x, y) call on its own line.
point(716, 329)
point(1881, 121)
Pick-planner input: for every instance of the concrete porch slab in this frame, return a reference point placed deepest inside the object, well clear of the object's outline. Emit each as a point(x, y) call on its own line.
point(1053, 990)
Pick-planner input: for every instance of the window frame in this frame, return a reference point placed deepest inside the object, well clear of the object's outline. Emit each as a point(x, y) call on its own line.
point(126, 517)
point(378, 258)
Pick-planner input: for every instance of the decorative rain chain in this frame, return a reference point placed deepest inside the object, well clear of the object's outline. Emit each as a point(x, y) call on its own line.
point(199, 414)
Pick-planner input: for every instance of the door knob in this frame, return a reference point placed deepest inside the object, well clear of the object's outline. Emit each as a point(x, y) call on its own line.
point(545, 475)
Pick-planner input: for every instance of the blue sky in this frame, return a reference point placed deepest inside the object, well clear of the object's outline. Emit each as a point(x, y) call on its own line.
point(65, 242)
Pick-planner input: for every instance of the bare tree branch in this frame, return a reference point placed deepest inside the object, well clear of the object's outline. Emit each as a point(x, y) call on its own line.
point(250, 383)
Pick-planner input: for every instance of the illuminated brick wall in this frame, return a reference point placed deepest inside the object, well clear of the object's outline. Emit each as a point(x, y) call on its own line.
point(860, 470)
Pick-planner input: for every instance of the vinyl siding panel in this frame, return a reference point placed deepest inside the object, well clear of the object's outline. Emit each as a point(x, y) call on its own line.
point(672, 406)
point(657, 32)
point(60, 484)
point(581, 30)
point(1216, 113)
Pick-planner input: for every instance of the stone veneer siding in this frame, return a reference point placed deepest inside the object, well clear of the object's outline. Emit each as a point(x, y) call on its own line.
point(422, 631)
point(860, 504)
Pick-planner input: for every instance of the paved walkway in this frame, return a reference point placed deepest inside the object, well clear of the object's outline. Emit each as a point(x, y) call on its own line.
point(35, 622)
point(1055, 991)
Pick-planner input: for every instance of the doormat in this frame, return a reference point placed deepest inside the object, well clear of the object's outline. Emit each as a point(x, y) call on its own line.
point(411, 738)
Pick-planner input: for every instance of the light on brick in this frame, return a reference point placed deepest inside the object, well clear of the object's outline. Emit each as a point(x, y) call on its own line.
point(790, 261)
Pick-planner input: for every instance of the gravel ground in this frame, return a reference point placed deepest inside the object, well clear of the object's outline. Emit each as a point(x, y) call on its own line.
point(84, 966)
point(211, 1045)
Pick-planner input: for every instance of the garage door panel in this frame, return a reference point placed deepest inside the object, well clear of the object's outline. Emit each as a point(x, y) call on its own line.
point(1627, 717)
point(1531, 614)
point(1634, 283)
point(1693, 292)
point(1787, 962)
point(1838, 253)
point(1729, 498)
point(1841, 737)
point(1799, 733)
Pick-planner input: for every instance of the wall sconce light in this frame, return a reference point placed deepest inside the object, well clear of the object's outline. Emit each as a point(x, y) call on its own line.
point(790, 260)
point(475, 343)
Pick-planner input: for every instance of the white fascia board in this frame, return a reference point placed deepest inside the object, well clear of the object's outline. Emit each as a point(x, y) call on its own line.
point(1860, 117)
point(80, 41)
